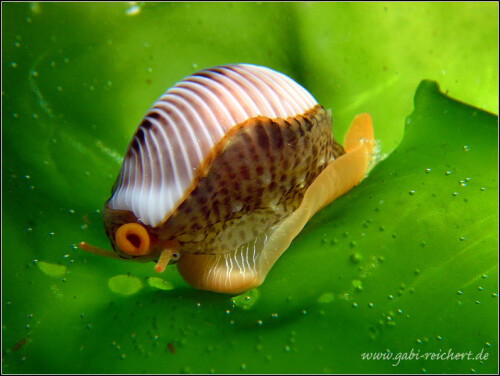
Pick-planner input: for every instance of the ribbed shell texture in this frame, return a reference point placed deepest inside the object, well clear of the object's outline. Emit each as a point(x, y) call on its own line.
point(183, 125)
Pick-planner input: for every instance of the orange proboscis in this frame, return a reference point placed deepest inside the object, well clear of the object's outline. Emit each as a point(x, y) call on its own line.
point(133, 239)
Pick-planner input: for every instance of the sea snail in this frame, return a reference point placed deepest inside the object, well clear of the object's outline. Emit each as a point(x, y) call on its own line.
point(224, 171)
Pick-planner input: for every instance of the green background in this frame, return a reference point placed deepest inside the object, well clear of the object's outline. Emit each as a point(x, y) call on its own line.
point(405, 262)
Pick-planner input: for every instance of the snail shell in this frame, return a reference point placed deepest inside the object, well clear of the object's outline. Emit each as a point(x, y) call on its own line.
point(223, 172)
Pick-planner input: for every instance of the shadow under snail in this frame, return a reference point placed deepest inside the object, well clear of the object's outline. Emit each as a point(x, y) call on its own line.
point(224, 170)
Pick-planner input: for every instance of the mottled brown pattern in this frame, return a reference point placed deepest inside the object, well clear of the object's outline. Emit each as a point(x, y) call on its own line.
point(255, 176)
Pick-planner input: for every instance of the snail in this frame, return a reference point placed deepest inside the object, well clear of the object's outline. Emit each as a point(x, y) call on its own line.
point(224, 170)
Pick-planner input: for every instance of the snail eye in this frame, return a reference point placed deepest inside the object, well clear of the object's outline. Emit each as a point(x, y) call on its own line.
point(133, 239)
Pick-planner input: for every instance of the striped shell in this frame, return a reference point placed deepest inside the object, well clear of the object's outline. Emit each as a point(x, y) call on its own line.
point(217, 166)
point(185, 123)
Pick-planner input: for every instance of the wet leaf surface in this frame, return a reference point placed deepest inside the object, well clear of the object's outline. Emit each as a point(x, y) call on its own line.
point(407, 261)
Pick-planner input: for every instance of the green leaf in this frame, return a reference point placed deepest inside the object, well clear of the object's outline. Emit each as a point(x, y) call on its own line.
point(399, 264)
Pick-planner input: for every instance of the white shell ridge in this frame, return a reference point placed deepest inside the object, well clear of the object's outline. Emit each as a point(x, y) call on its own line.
point(183, 125)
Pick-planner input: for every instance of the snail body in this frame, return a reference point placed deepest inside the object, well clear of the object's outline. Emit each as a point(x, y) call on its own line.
point(224, 171)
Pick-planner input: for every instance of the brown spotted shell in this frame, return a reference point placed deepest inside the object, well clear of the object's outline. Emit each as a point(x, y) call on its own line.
point(221, 157)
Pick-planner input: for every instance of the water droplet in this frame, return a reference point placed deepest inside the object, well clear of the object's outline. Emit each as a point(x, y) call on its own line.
point(356, 258)
point(355, 305)
point(439, 338)
point(400, 311)
point(487, 344)
point(51, 234)
point(13, 64)
point(448, 173)
point(466, 147)
point(247, 300)
point(274, 315)
point(52, 64)
point(459, 292)
point(480, 288)
point(417, 271)
point(59, 88)
point(15, 115)
point(494, 295)
point(462, 183)
point(34, 116)
point(373, 332)
point(427, 170)
point(149, 69)
point(287, 348)
point(28, 20)
point(66, 60)
point(419, 341)
point(34, 73)
point(243, 366)
point(411, 192)
point(477, 302)
point(231, 322)
point(484, 276)
point(259, 322)
point(134, 9)
point(326, 297)
point(390, 297)
point(483, 188)
point(124, 284)
point(371, 305)
point(357, 284)
point(454, 194)
point(304, 312)
point(462, 238)
point(17, 44)
point(29, 229)
point(194, 66)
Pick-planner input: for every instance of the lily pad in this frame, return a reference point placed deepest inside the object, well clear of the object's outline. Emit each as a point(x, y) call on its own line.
point(400, 264)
